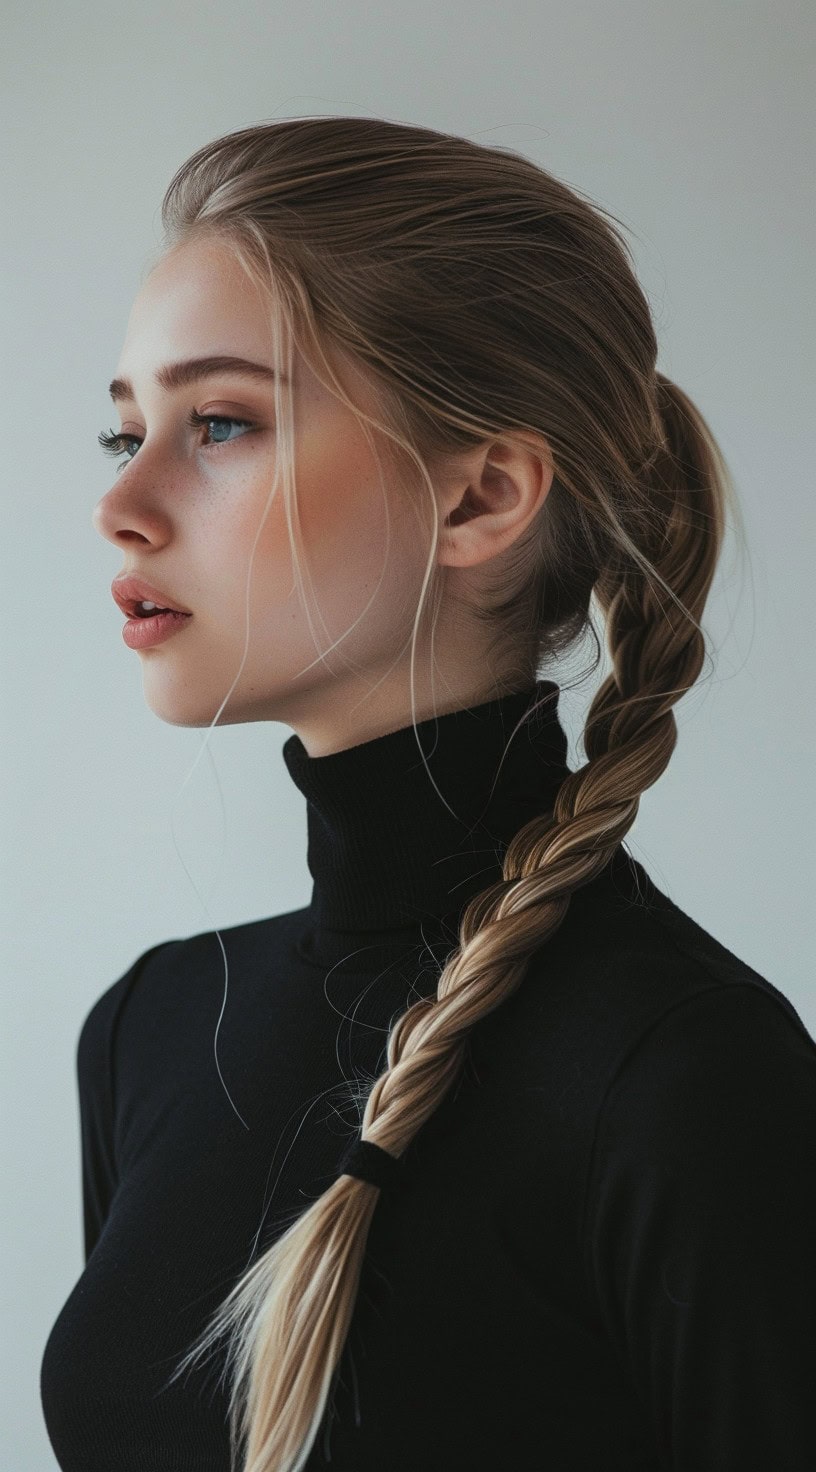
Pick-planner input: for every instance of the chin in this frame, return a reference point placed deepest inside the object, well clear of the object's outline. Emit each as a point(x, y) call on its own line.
point(177, 707)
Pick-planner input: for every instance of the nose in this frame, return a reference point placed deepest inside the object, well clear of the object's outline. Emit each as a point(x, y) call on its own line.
point(122, 520)
point(105, 521)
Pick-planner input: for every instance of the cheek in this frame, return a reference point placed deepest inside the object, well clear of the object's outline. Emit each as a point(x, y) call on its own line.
point(343, 516)
point(356, 540)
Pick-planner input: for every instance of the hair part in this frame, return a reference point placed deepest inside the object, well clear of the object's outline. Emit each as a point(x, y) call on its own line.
point(482, 298)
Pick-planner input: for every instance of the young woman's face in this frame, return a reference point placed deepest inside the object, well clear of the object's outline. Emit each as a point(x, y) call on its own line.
point(185, 507)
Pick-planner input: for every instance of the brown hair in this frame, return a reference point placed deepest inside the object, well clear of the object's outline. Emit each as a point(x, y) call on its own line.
point(481, 297)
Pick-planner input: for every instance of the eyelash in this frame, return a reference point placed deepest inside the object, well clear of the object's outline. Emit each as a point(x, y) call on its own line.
point(115, 444)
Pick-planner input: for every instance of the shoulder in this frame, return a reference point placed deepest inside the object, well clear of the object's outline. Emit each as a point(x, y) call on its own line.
point(627, 958)
point(721, 1069)
point(162, 988)
point(708, 1085)
point(628, 1009)
point(100, 1020)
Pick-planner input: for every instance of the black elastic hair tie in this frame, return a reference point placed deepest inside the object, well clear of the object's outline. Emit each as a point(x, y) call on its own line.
point(369, 1162)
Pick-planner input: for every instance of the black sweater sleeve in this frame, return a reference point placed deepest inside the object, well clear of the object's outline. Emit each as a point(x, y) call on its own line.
point(95, 1120)
point(701, 1231)
point(94, 1075)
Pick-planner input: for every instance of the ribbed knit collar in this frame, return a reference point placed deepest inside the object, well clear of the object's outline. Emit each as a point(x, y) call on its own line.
point(384, 851)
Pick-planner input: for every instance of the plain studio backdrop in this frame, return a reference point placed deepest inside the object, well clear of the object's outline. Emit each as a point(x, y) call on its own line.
point(691, 123)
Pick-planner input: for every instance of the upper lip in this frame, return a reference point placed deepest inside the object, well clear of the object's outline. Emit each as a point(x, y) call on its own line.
point(129, 591)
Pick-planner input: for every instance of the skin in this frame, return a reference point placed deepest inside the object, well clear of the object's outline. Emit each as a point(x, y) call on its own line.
point(184, 511)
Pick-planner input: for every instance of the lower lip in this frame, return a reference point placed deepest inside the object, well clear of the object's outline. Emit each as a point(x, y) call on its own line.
point(143, 633)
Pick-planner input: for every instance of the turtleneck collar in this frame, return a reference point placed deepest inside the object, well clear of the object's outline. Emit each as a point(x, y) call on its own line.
point(384, 851)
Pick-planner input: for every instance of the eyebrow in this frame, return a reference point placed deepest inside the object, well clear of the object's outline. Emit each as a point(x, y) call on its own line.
point(191, 370)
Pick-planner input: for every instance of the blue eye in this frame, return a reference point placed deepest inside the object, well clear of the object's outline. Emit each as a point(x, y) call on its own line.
point(116, 444)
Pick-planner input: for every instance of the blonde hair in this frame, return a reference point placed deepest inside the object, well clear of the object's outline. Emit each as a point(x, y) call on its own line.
point(481, 297)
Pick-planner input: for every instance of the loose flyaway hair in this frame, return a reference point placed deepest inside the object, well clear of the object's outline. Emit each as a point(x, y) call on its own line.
point(480, 297)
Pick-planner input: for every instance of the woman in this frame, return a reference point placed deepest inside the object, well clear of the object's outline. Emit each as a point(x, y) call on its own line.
point(500, 1160)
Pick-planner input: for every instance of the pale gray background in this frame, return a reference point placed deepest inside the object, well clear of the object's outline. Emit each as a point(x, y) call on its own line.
point(689, 121)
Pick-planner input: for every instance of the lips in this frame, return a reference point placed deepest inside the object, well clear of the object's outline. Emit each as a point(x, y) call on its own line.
point(129, 591)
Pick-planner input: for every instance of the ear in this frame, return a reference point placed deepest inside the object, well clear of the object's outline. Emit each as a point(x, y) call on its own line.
point(489, 498)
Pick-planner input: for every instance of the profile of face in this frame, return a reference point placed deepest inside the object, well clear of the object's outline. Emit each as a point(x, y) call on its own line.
point(187, 501)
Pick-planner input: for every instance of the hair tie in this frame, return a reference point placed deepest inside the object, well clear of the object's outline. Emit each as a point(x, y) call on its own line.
point(369, 1162)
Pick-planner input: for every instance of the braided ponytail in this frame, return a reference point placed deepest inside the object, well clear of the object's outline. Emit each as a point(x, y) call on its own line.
point(514, 308)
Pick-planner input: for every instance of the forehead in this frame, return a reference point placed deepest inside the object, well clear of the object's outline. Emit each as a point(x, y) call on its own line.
point(197, 299)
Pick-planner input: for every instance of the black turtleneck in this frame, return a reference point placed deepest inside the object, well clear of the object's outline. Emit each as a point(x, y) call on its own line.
point(599, 1253)
point(387, 848)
